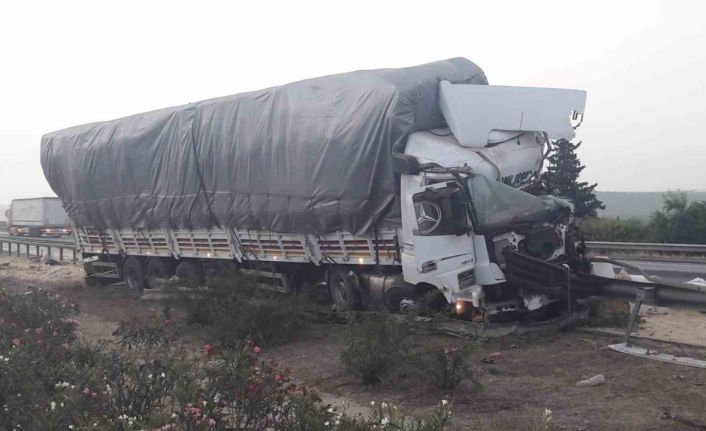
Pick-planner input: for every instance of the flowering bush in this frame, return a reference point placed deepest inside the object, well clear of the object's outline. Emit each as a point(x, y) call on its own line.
point(446, 367)
point(35, 335)
point(375, 347)
point(50, 380)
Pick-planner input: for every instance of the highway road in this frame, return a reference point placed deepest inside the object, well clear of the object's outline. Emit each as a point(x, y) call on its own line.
point(671, 271)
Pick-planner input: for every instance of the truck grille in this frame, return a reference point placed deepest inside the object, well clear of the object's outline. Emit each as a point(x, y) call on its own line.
point(466, 279)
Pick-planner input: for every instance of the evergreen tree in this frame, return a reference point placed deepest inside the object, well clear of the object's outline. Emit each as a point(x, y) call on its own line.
point(561, 178)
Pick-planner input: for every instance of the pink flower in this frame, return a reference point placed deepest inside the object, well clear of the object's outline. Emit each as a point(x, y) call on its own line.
point(16, 342)
point(208, 348)
point(256, 349)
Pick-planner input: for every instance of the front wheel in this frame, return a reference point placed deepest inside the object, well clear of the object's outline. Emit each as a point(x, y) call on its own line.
point(402, 298)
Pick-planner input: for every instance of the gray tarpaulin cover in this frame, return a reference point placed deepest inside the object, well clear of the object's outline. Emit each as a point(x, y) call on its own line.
point(311, 157)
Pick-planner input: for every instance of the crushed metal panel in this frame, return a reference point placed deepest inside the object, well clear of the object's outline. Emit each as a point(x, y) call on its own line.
point(473, 111)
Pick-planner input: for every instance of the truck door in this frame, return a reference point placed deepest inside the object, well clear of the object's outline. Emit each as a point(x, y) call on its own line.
point(438, 227)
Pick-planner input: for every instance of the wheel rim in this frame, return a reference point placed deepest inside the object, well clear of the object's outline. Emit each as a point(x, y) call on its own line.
point(340, 293)
point(131, 278)
point(407, 305)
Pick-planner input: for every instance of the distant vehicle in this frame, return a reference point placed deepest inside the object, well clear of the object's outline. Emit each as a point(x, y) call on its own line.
point(38, 217)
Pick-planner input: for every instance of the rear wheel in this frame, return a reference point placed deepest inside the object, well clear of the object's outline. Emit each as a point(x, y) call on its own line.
point(134, 274)
point(344, 289)
point(190, 271)
point(158, 268)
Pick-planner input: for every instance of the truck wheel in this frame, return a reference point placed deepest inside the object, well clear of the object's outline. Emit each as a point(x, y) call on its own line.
point(158, 268)
point(134, 274)
point(191, 271)
point(401, 298)
point(343, 288)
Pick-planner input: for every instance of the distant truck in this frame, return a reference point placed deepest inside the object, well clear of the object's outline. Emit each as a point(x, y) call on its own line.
point(37, 217)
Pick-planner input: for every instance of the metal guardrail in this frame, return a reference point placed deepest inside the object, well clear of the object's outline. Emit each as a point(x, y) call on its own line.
point(647, 247)
point(55, 248)
point(688, 253)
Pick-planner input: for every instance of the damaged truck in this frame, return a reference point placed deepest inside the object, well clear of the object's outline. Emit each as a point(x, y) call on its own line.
point(381, 185)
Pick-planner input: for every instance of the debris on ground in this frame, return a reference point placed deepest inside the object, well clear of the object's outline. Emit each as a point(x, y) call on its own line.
point(46, 260)
point(698, 281)
point(596, 380)
point(667, 415)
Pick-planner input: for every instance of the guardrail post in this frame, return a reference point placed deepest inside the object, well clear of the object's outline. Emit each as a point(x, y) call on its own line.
point(73, 258)
point(61, 253)
point(18, 249)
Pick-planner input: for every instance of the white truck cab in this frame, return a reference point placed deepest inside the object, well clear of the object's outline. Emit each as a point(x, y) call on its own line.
point(461, 188)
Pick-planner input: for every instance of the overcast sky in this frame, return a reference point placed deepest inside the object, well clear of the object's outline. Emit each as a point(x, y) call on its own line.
point(643, 64)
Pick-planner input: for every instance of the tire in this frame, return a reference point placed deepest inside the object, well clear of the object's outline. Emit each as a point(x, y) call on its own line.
point(190, 271)
point(158, 268)
point(401, 297)
point(343, 289)
point(134, 274)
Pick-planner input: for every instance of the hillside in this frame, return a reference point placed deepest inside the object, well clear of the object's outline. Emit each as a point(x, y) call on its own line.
point(637, 204)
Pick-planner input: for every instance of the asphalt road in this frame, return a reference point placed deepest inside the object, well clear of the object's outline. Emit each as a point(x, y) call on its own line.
point(672, 271)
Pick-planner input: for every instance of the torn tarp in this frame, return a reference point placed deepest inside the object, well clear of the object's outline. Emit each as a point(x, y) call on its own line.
point(312, 157)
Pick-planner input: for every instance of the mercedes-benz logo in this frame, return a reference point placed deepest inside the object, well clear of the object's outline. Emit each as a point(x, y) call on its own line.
point(428, 216)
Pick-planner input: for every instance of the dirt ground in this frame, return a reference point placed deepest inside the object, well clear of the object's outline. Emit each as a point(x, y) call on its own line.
point(517, 377)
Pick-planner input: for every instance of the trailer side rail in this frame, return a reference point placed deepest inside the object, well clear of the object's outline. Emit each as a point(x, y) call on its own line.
point(218, 243)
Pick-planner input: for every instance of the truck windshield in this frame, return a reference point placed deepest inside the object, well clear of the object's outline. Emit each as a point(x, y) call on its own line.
point(497, 205)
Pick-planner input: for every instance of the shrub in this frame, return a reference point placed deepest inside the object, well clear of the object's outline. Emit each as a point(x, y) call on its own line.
point(446, 367)
point(375, 347)
point(236, 308)
point(388, 417)
point(139, 334)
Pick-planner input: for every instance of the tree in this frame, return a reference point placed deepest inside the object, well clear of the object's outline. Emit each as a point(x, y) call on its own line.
point(561, 178)
point(679, 221)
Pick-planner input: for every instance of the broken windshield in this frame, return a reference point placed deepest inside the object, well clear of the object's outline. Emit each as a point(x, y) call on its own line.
point(497, 205)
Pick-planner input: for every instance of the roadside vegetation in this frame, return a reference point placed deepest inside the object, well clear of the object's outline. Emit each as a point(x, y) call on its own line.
point(51, 380)
point(678, 222)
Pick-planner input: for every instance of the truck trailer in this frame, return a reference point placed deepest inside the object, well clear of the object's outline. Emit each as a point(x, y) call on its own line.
point(381, 185)
point(37, 217)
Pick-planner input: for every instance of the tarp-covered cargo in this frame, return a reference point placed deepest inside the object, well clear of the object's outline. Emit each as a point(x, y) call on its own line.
point(313, 156)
